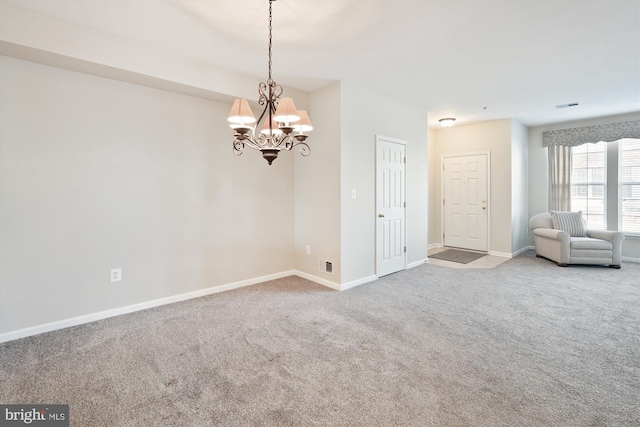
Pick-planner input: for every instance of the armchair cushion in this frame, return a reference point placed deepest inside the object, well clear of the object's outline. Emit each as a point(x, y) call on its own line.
point(590, 244)
point(571, 222)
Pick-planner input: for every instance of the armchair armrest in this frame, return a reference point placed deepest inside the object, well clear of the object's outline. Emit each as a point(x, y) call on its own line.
point(551, 233)
point(615, 237)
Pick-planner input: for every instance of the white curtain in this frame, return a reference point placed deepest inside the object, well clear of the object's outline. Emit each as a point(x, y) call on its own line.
point(559, 177)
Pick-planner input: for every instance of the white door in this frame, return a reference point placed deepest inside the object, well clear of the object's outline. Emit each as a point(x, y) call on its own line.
point(390, 206)
point(465, 214)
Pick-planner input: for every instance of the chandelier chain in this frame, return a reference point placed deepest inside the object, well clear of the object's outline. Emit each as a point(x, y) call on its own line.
point(270, 26)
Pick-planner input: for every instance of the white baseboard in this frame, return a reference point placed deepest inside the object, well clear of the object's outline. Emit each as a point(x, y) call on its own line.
point(333, 285)
point(318, 280)
point(416, 264)
point(501, 254)
point(508, 255)
point(434, 246)
point(355, 283)
point(520, 251)
point(92, 317)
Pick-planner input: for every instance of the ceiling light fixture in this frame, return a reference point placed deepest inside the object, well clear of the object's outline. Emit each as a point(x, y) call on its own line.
point(447, 122)
point(284, 125)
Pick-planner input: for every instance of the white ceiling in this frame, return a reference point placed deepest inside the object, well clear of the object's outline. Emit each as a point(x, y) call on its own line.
point(475, 60)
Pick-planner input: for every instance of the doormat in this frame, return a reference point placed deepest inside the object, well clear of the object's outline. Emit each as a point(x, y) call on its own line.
point(453, 255)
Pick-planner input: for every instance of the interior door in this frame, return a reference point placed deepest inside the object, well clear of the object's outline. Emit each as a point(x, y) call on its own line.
point(465, 213)
point(390, 207)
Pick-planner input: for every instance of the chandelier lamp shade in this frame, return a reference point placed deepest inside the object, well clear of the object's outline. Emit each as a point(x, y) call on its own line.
point(280, 126)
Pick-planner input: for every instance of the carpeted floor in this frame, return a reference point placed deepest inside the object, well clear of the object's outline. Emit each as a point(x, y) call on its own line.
point(524, 344)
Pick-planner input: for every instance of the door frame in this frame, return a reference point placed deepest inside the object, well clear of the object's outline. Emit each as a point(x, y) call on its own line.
point(489, 201)
point(380, 138)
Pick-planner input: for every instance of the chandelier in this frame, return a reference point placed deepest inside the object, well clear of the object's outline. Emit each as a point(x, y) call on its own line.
point(283, 125)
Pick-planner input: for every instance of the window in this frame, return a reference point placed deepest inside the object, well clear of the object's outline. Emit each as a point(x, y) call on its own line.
point(593, 165)
point(629, 185)
point(588, 183)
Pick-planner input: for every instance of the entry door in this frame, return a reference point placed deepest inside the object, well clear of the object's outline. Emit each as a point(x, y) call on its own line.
point(465, 202)
point(390, 206)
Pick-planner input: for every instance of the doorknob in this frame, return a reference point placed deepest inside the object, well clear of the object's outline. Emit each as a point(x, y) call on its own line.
point(484, 207)
point(380, 215)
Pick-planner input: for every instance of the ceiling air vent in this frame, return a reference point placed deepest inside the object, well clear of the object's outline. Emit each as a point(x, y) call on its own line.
point(572, 104)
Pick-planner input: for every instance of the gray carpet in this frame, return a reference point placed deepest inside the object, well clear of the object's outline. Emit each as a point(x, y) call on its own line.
point(455, 255)
point(524, 344)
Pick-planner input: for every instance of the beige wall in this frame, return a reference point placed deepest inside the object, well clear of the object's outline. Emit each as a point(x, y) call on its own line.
point(494, 137)
point(365, 115)
point(337, 227)
point(434, 204)
point(317, 188)
point(519, 187)
point(539, 172)
point(97, 174)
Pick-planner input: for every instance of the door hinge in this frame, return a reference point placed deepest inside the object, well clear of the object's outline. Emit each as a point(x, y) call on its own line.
point(442, 167)
point(405, 204)
point(405, 160)
point(405, 249)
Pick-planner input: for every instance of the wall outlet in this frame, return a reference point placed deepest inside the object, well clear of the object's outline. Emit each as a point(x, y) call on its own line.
point(116, 274)
point(308, 249)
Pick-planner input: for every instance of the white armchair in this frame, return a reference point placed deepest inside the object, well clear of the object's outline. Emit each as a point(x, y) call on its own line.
point(600, 247)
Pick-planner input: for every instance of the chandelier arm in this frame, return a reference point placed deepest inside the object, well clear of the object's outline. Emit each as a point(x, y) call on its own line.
point(288, 141)
point(252, 138)
point(239, 145)
point(264, 111)
point(277, 92)
point(262, 141)
point(262, 92)
point(258, 143)
point(305, 150)
point(278, 140)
